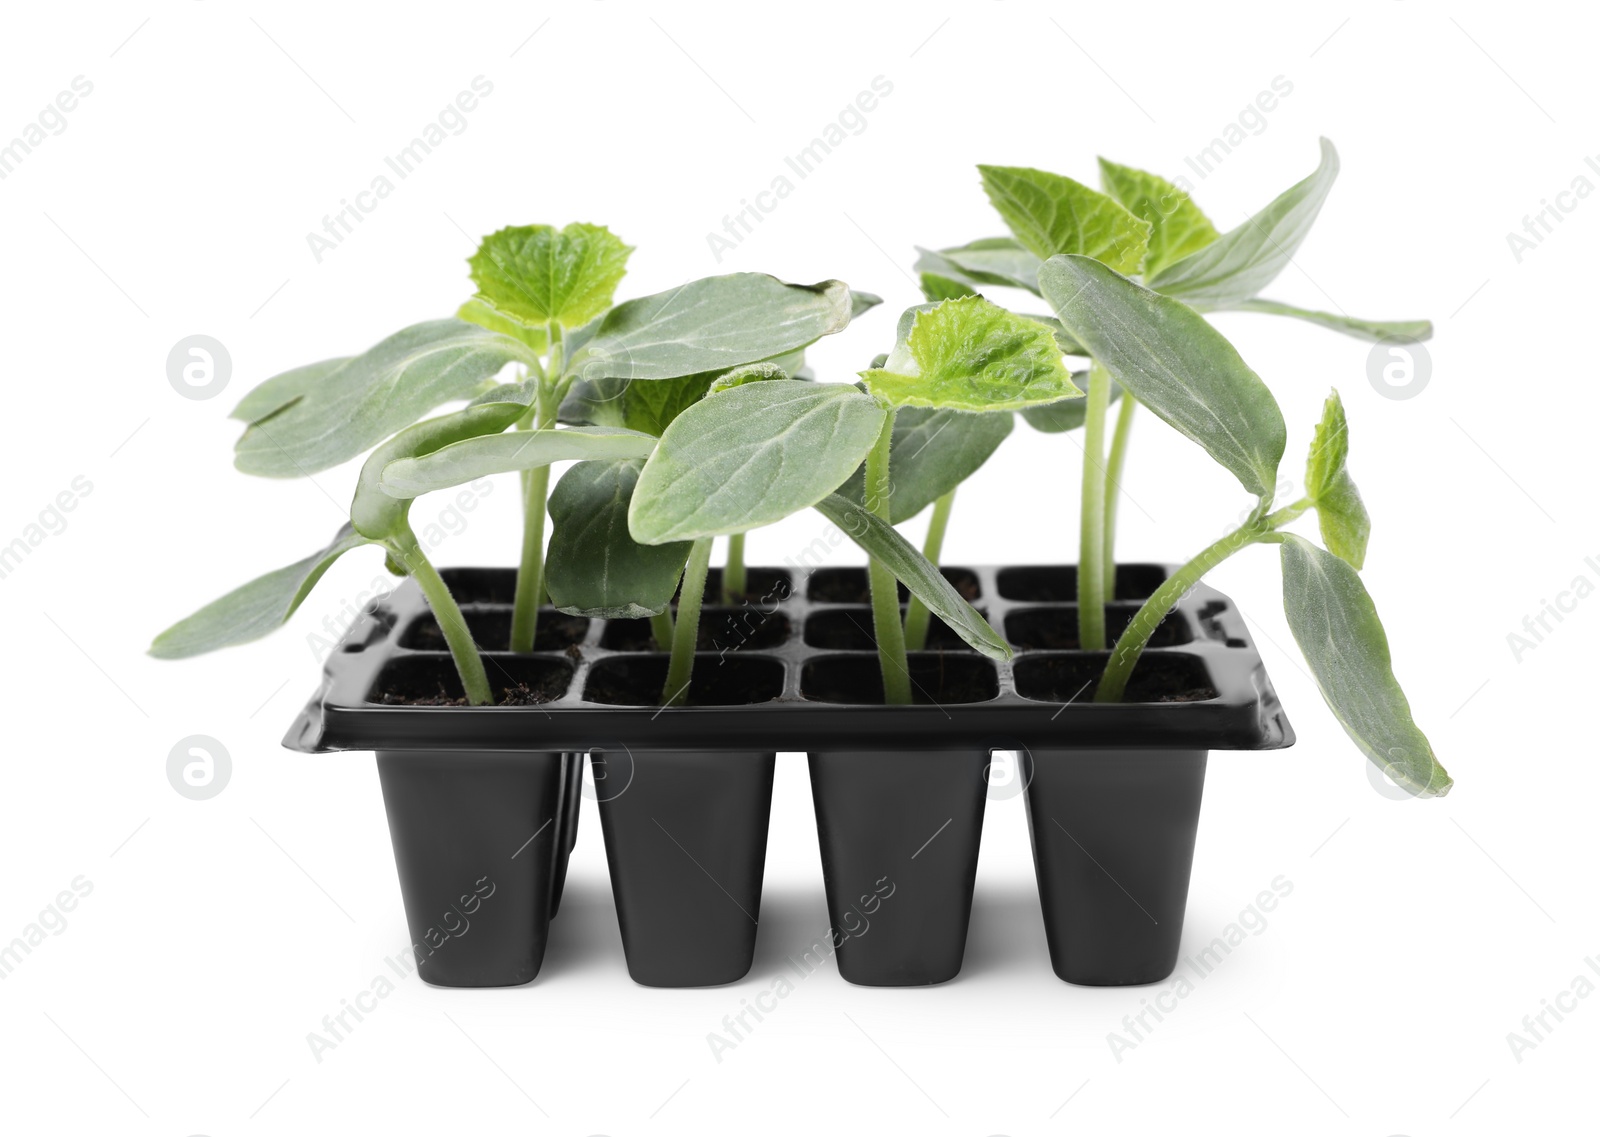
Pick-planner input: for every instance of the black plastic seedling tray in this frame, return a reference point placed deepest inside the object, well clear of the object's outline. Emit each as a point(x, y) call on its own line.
point(793, 668)
point(482, 801)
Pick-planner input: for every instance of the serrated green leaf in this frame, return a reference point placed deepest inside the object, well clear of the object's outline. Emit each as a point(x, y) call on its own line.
point(968, 354)
point(475, 454)
point(711, 325)
point(482, 312)
point(1069, 414)
point(1177, 227)
point(1337, 627)
point(595, 568)
point(921, 578)
point(1052, 214)
point(538, 274)
point(933, 452)
point(750, 456)
point(273, 395)
point(1341, 514)
point(1243, 261)
point(252, 610)
point(352, 408)
point(1168, 357)
point(1370, 330)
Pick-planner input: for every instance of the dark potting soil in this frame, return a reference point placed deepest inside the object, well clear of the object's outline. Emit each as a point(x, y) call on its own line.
point(518, 695)
point(850, 585)
point(491, 631)
point(1056, 629)
point(1156, 678)
point(742, 628)
point(637, 681)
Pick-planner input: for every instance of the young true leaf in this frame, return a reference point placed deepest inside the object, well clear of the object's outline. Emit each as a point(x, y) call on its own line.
point(252, 610)
point(1340, 511)
point(1371, 330)
point(971, 355)
point(711, 325)
point(479, 453)
point(1169, 358)
point(538, 274)
point(1337, 627)
point(352, 408)
point(921, 578)
point(750, 456)
point(1177, 227)
point(933, 452)
point(1069, 414)
point(1243, 261)
point(595, 567)
point(651, 405)
point(1051, 214)
point(273, 395)
point(482, 312)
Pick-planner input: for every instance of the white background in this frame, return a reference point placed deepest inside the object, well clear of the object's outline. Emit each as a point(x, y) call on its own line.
point(178, 997)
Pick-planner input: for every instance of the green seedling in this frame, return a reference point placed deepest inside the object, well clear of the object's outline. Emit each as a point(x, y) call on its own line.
point(1166, 355)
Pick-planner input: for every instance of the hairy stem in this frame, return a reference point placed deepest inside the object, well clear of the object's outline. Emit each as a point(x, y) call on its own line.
point(469, 664)
point(1092, 521)
point(661, 629)
point(886, 627)
point(733, 580)
point(687, 627)
point(917, 614)
point(1114, 463)
point(1132, 642)
point(535, 494)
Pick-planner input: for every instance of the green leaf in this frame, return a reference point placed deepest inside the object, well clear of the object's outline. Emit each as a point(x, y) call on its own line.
point(1340, 511)
point(1337, 627)
point(651, 406)
point(1177, 227)
point(969, 354)
point(1051, 214)
point(750, 456)
point(711, 325)
point(863, 302)
point(921, 578)
point(1168, 357)
point(270, 396)
point(1370, 330)
point(352, 408)
point(482, 312)
point(381, 515)
point(1069, 414)
point(997, 260)
point(1243, 261)
point(1064, 339)
point(537, 274)
point(595, 568)
point(252, 610)
point(749, 373)
point(480, 454)
point(933, 452)
point(936, 287)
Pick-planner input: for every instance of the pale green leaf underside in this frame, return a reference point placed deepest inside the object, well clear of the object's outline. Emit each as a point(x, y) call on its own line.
point(352, 408)
point(270, 396)
point(933, 452)
point(922, 579)
point(1370, 330)
point(968, 354)
point(1177, 226)
point(1337, 627)
point(537, 274)
point(713, 324)
point(1052, 214)
point(252, 610)
point(751, 456)
point(1169, 358)
point(1243, 261)
point(997, 260)
point(481, 311)
point(594, 567)
point(482, 456)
